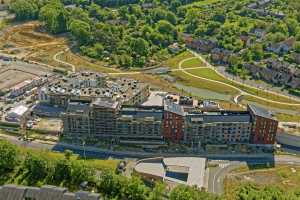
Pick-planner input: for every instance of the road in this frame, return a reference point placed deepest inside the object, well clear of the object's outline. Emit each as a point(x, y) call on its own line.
point(216, 175)
point(55, 58)
point(184, 70)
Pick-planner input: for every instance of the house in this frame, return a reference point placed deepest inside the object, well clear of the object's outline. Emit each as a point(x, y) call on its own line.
point(220, 56)
point(284, 73)
point(147, 5)
point(258, 32)
point(296, 57)
point(282, 47)
point(247, 40)
point(259, 4)
point(276, 72)
point(201, 45)
point(174, 48)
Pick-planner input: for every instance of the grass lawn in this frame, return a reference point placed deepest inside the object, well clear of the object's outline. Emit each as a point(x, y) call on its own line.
point(282, 117)
point(199, 83)
point(97, 164)
point(211, 74)
point(194, 62)
point(271, 105)
point(286, 177)
point(174, 61)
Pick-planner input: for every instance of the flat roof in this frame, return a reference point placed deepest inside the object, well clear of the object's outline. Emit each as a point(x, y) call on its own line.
point(155, 99)
point(194, 166)
point(106, 103)
point(259, 111)
point(19, 110)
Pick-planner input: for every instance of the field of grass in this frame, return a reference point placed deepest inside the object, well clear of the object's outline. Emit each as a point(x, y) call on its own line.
point(174, 61)
point(97, 164)
point(246, 98)
point(286, 177)
point(282, 117)
point(199, 83)
point(211, 74)
point(194, 62)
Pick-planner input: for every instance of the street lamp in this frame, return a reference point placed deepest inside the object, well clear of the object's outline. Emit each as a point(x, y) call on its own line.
point(83, 145)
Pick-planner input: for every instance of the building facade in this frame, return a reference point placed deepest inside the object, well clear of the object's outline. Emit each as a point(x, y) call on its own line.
point(264, 126)
point(142, 125)
point(173, 122)
point(178, 120)
point(203, 128)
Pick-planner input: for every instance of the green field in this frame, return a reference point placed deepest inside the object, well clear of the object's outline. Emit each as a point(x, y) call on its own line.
point(211, 74)
point(174, 61)
point(204, 84)
point(282, 117)
point(193, 62)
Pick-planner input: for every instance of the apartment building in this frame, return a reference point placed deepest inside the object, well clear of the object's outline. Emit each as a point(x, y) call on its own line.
point(89, 86)
point(84, 119)
point(140, 125)
point(104, 115)
point(179, 120)
point(223, 127)
point(77, 120)
point(264, 126)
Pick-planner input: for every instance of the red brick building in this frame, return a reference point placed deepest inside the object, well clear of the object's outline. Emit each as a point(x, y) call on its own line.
point(173, 122)
point(264, 126)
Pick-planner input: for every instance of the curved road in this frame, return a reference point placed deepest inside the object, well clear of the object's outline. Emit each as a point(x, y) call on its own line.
point(241, 92)
point(236, 98)
point(215, 184)
point(55, 58)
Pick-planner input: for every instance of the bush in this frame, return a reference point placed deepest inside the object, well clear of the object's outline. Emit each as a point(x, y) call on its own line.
point(8, 156)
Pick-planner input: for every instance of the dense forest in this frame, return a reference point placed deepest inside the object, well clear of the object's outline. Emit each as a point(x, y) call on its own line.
point(22, 166)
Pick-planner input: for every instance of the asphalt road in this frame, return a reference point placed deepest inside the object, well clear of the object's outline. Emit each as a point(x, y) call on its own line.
point(216, 175)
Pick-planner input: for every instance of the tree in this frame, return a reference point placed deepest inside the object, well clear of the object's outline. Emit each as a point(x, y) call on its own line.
point(81, 31)
point(125, 60)
point(165, 27)
point(297, 47)
point(80, 172)
point(53, 15)
point(24, 9)
point(111, 184)
point(257, 52)
point(293, 25)
point(36, 168)
point(135, 189)
point(132, 20)
point(183, 192)
point(139, 46)
point(8, 156)
point(62, 172)
point(68, 154)
point(158, 192)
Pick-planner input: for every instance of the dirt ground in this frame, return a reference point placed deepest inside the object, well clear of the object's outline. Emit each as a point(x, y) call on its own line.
point(49, 124)
point(10, 78)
